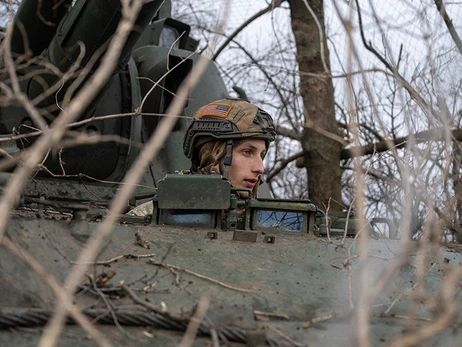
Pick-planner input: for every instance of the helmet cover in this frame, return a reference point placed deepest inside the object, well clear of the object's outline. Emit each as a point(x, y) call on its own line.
point(227, 119)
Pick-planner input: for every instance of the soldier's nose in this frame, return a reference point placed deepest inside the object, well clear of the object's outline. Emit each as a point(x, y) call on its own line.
point(258, 166)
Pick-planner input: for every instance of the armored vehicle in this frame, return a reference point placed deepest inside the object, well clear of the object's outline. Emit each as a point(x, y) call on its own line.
point(190, 272)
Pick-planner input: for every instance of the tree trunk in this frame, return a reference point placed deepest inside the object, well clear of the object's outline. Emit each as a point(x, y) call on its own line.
point(322, 158)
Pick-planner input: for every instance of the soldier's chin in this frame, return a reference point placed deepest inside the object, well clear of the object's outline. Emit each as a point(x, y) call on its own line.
point(244, 195)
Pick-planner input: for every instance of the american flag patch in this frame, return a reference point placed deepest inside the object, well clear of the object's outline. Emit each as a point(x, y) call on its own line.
point(216, 110)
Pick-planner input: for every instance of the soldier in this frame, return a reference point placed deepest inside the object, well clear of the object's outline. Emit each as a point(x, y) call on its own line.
point(228, 137)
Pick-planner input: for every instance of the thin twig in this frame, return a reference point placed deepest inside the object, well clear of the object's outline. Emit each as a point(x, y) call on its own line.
point(37, 132)
point(283, 164)
point(325, 318)
point(173, 267)
point(140, 108)
point(347, 263)
point(61, 162)
point(285, 337)
point(270, 7)
point(327, 220)
point(426, 108)
point(139, 301)
point(270, 314)
point(195, 321)
point(407, 291)
point(413, 318)
point(164, 257)
point(109, 306)
point(105, 262)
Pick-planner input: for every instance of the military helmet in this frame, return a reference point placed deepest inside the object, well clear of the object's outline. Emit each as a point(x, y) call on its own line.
point(227, 119)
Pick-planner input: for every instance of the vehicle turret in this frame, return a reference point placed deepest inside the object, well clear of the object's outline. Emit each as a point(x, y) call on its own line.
point(59, 38)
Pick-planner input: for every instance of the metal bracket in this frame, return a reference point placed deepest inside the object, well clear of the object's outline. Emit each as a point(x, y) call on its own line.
point(269, 239)
point(229, 220)
point(126, 219)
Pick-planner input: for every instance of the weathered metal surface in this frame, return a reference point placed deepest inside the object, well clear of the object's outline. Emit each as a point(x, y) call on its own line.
point(282, 285)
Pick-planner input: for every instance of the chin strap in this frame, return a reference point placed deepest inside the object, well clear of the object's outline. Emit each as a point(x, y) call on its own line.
point(228, 158)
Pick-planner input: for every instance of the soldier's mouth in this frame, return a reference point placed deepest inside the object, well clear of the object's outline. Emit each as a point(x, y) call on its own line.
point(250, 182)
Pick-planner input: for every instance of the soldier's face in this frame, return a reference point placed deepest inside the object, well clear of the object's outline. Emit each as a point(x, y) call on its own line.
point(247, 164)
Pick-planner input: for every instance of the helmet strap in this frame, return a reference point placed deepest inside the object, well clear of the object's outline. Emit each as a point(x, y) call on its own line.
point(229, 157)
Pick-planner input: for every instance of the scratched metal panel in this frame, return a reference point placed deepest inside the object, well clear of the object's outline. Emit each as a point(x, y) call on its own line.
point(296, 279)
point(206, 192)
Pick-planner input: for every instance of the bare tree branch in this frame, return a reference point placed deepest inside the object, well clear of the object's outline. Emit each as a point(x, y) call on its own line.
point(426, 108)
point(284, 102)
point(442, 11)
point(271, 6)
point(322, 40)
point(288, 133)
point(283, 164)
point(383, 146)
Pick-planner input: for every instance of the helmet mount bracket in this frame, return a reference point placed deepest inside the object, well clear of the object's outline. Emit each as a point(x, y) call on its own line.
point(229, 157)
